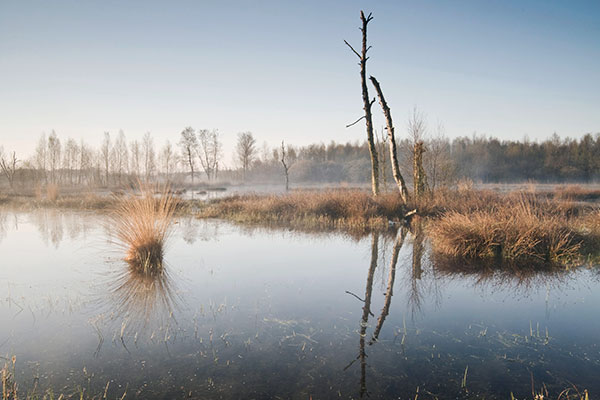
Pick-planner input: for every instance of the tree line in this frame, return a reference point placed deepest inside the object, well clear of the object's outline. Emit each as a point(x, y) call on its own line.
point(198, 156)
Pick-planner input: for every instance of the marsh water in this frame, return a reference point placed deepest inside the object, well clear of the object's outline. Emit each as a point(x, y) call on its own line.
point(250, 313)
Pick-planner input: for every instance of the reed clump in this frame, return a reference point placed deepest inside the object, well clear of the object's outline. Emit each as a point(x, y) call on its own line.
point(520, 228)
point(142, 224)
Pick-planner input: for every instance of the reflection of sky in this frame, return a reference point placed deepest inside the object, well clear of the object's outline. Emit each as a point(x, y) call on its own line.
point(280, 69)
point(279, 300)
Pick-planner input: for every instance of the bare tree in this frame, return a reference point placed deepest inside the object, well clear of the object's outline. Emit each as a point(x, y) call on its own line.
point(438, 162)
point(84, 162)
point(120, 156)
point(287, 162)
point(8, 164)
point(189, 144)
point(367, 103)
point(70, 158)
point(149, 156)
point(392, 141)
point(417, 126)
point(41, 156)
point(105, 154)
point(417, 129)
point(167, 160)
point(245, 151)
point(135, 161)
point(54, 151)
point(209, 151)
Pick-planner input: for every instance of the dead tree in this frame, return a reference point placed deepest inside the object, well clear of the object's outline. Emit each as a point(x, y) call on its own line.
point(392, 141)
point(417, 129)
point(367, 103)
point(9, 168)
point(286, 166)
point(419, 176)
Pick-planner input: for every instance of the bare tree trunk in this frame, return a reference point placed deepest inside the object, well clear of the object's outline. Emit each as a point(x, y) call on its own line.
point(286, 167)
point(367, 103)
point(419, 176)
point(392, 138)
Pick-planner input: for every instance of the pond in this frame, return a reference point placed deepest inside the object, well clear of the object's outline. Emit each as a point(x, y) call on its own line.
point(251, 313)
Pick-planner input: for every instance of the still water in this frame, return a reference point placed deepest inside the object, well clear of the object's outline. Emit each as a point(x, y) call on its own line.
point(244, 313)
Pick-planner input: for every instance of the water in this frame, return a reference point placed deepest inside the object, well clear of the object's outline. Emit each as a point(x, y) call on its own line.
point(246, 313)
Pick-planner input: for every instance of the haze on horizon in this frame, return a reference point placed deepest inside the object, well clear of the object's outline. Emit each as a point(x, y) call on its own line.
point(280, 69)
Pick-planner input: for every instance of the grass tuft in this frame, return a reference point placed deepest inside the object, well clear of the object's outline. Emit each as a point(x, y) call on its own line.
point(142, 223)
point(520, 228)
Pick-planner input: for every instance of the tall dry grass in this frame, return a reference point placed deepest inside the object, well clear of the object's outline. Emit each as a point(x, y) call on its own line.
point(142, 223)
point(520, 228)
point(318, 209)
point(576, 193)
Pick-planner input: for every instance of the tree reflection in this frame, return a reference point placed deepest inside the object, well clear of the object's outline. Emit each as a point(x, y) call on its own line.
point(415, 295)
point(366, 310)
point(389, 292)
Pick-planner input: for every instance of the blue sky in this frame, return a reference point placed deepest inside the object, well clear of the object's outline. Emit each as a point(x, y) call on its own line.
point(280, 69)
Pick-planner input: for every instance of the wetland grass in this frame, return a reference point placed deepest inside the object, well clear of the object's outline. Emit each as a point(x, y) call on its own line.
point(343, 209)
point(142, 223)
point(521, 228)
point(576, 193)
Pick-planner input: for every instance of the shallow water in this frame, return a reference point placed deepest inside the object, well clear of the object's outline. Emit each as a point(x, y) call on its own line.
point(275, 314)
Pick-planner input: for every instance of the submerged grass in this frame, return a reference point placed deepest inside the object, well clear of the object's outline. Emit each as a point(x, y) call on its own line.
point(7, 375)
point(142, 223)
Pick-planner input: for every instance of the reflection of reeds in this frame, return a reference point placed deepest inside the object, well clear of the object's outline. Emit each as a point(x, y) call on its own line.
point(142, 225)
point(517, 278)
point(142, 295)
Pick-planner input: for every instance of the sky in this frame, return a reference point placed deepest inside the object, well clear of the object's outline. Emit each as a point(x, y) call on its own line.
point(280, 69)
